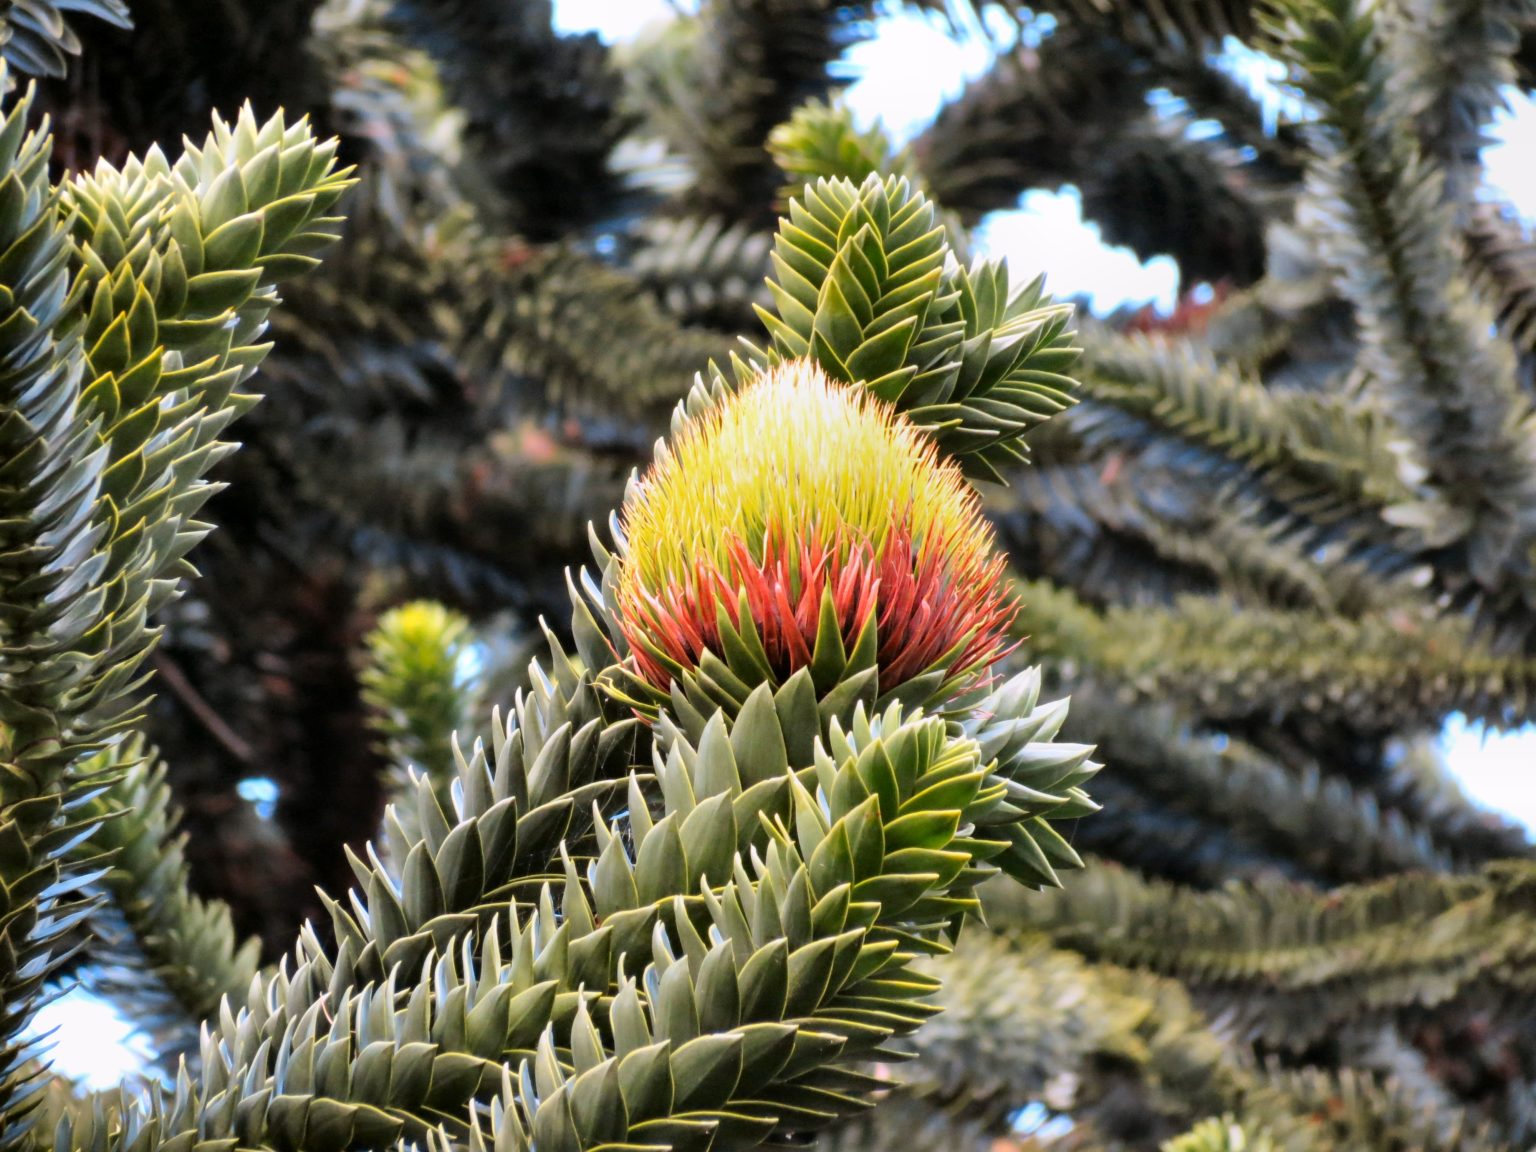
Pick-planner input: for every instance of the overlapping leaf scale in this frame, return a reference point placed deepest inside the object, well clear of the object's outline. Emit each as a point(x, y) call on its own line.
point(121, 372)
point(819, 931)
point(178, 273)
point(51, 469)
point(739, 935)
point(1013, 364)
point(516, 811)
point(859, 284)
point(857, 269)
point(297, 1063)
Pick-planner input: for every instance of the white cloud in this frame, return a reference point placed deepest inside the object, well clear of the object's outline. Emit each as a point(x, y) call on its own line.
point(1496, 769)
point(612, 20)
point(909, 70)
point(91, 1043)
point(1508, 166)
point(1048, 234)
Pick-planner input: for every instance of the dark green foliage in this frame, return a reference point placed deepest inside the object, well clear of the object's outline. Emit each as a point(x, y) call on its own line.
point(1290, 963)
point(523, 89)
point(733, 76)
point(1499, 254)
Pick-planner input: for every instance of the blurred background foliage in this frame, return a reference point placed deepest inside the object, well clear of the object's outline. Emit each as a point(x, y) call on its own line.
point(1287, 532)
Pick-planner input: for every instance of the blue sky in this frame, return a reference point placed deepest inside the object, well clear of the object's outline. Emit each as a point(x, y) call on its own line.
point(901, 77)
point(905, 73)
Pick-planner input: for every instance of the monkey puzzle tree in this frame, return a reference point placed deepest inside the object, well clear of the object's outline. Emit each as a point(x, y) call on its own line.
point(698, 883)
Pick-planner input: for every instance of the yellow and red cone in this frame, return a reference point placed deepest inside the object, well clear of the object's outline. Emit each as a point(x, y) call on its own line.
point(794, 488)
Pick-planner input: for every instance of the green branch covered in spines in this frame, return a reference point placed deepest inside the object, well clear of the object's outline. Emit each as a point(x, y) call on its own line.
point(523, 316)
point(1375, 205)
point(1126, 1056)
point(1114, 1050)
point(1317, 452)
point(1386, 670)
point(48, 485)
point(521, 814)
point(1288, 962)
point(1213, 92)
point(1063, 1023)
point(1204, 808)
point(834, 877)
point(821, 141)
point(166, 957)
point(860, 286)
point(1136, 503)
point(1258, 556)
point(1330, 830)
point(551, 313)
point(1305, 477)
point(142, 292)
point(1450, 61)
point(426, 451)
point(711, 90)
point(1157, 172)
